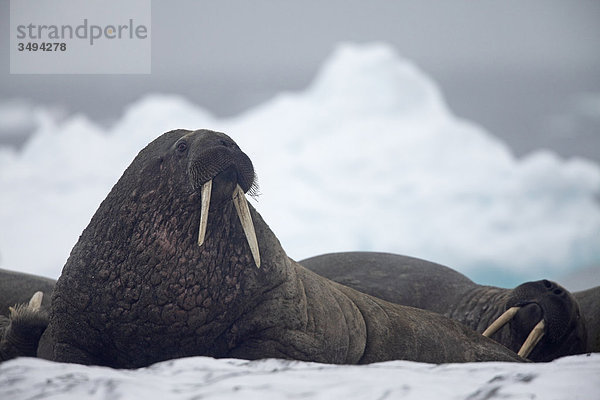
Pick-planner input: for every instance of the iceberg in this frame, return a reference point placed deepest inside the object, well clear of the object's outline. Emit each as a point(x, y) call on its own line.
point(367, 157)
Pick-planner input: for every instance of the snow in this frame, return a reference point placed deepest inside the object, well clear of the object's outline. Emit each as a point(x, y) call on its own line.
point(574, 377)
point(367, 157)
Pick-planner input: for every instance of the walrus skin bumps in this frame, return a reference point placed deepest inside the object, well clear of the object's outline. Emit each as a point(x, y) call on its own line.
point(140, 287)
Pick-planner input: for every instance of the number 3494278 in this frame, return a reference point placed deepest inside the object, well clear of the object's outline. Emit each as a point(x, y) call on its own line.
point(44, 46)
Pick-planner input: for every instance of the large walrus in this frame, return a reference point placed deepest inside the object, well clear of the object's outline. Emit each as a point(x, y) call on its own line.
point(176, 263)
point(539, 320)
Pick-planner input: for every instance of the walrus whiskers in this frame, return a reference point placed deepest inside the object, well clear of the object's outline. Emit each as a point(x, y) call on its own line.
point(206, 190)
point(241, 205)
point(35, 303)
point(533, 339)
point(501, 321)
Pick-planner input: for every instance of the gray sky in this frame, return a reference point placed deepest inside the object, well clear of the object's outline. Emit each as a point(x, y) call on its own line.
point(529, 71)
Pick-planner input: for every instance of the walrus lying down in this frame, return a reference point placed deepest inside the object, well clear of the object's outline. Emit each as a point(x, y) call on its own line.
point(23, 312)
point(176, 263)
point(540, 320)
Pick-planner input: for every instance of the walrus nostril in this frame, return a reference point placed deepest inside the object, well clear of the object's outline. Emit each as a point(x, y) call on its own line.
point(547, 283)
point(557, 292)
point(182, 146)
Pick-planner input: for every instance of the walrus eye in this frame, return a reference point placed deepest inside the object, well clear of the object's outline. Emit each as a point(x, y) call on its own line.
point(182, 146)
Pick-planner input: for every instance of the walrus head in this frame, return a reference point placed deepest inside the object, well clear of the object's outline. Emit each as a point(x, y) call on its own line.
point(545, 321)
point(168, 262)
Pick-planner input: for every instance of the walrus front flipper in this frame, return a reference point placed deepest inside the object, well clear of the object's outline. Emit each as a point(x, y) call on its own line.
point(21, 330)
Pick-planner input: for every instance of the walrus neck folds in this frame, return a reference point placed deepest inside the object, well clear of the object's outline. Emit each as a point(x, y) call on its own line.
point(148, 278)
point(492, 301)
point(138, 260)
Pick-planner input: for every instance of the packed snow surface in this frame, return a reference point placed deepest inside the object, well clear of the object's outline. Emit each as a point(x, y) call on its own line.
point(570, 378)
point(367, 157)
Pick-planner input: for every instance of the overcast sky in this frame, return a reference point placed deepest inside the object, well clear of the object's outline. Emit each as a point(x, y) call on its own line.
point(528, 71)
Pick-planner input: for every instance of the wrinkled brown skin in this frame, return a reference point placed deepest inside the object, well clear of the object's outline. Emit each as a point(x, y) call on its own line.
point(589, 301)
point(137, 289)
point(426, 285)
point(17, 287)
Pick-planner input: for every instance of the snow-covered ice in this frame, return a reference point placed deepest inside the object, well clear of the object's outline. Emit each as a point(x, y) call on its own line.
point(573, 378)
point(367, 157)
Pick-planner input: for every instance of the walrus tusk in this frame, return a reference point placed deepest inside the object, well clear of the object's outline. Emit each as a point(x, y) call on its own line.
point(500, 321)
point(533, 339)
point(241, 205)
point(206, 190)
point(36, 301)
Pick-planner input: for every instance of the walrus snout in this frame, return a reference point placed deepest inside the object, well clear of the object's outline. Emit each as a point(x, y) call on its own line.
point(559, 321)
point(215, 157)
point(210, 154)
point(211, 162)
point(560, 308)
point(561, 330)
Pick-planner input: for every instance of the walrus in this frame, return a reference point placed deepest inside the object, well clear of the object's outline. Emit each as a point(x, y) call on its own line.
point(540, 320)
point(21, 330)
point(24, 304)
point(18, 288)
point(175, 262)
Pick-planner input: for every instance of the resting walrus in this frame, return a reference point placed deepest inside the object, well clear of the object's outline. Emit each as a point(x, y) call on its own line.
point(18, 287)
point(175, 263)
point(542, 322)
point(24, 303)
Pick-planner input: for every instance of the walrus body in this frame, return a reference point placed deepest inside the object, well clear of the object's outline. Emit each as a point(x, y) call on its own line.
point(148, 282)
point(426, 285)
point(589, 303)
